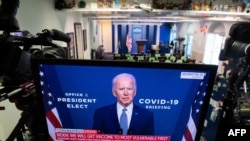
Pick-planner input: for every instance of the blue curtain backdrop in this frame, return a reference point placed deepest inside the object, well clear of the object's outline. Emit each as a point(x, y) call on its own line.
point(147, 32)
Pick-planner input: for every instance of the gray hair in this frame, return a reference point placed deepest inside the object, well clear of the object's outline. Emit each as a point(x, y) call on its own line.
point(123, 75)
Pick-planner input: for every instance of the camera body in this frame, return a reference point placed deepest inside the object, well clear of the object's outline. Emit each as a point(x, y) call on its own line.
point(237, 51)
point(237, 45)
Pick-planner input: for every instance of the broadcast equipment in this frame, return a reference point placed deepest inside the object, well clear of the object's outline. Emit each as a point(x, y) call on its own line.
point(236, 109)
point(16, 76)
point(70, 91)
point(16, 79)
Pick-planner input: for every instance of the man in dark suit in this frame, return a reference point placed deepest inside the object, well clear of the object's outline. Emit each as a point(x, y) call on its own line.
point(124, 117)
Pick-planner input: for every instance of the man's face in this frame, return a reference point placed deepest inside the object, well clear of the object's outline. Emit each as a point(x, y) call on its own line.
point(124, 90)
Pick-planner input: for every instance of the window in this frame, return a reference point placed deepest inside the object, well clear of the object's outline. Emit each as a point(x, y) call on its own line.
point(173, 33)
point(214, 44)
point(189, 43)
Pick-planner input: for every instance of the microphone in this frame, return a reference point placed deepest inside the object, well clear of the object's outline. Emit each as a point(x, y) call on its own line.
point(57, 35)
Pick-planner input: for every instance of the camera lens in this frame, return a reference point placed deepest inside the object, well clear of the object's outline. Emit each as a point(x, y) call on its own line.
point(236, 49)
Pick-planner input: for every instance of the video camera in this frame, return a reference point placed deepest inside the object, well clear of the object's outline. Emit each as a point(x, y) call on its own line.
point(16, 79)
point(16, 47)
point(237, 52)
point(16, 51)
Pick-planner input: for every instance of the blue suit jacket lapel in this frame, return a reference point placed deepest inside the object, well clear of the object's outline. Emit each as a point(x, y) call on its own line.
point(134, 117)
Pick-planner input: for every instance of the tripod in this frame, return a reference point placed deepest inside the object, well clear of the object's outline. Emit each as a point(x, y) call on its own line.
point(30, 127)
point(17, 132)
point(231, 114)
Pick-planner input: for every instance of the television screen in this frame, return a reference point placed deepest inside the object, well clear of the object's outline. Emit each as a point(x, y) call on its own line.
point(83, 99)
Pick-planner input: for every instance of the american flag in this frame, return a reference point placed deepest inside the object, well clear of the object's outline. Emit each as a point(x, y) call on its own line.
point(129, 41)
point(191, 128)
point(52, 116)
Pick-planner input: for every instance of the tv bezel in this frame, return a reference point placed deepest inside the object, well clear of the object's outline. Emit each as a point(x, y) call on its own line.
point(35, 62)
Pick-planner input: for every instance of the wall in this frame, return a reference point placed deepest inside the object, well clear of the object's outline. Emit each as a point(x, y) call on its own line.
point(32, 16)
point(37, 20)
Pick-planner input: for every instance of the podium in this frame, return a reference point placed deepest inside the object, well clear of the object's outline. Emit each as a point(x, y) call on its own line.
point(140, 45)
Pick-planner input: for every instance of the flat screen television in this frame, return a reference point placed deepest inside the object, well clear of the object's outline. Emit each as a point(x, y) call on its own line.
point(70, 91)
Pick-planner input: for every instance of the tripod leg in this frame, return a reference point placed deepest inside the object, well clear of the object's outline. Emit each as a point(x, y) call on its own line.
point(16, 132)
